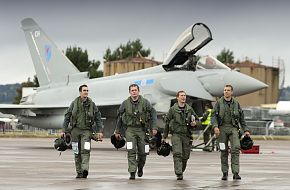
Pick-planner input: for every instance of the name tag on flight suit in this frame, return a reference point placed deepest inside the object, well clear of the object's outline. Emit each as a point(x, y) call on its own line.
point(129, 145)
point(87, 146)
point(222, 146)
point(147, 148)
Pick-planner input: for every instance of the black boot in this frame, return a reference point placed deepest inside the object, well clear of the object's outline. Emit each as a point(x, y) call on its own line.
point(180, 177)
point(184, 163)
point(85, 173)
point(79, 175)
point(140, 172)
point(236, 176)
point(225, 176)
point(132, 175)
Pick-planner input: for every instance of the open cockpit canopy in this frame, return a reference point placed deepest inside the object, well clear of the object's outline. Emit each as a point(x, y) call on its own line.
point(186, 45)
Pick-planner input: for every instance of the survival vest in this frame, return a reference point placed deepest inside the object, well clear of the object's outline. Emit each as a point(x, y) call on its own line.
point(235, 111)
point(135, 115)
point(207, 121)
point(82, 114)
point(181, 120)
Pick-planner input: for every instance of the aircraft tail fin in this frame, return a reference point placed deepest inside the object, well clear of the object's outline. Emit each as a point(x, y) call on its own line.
point(51, 65)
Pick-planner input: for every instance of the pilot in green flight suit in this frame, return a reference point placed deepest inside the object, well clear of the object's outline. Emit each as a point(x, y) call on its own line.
point(179, 122)
point(136, 116)
point(85, 120)
point(227, 116)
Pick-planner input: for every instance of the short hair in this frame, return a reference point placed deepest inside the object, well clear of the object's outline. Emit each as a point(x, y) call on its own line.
point(179, 92)
point(81, 87)
point(228, 85)
point(208, 105)
point(133, 85)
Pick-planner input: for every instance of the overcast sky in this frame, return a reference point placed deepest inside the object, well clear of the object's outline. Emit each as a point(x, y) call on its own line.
point(257, 29)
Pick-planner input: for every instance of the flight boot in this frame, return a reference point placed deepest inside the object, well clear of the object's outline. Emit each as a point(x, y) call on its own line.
point(225, 176)
point(140, 172)
point(132, 175)
point(236, 176)
point(85, 173)
point(179, 177)
point(79, 175)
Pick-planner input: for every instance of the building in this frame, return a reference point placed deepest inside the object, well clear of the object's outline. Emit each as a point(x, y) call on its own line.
point(128, 65)
point(266, 74)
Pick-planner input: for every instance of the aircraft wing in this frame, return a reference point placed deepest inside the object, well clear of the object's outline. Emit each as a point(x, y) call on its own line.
point(22, 109)
point(31, 110)
point(190, 85)
point(23, 106)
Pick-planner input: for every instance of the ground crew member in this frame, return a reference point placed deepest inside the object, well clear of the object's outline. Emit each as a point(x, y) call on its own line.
point(227, 116)
point(84, 118)
point(205, 121)
point(136, 117)
point(180, 120)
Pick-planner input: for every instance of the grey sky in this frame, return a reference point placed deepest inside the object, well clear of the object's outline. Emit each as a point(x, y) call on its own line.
point(255, 29)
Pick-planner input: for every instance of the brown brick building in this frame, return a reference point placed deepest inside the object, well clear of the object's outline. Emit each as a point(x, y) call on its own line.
point(127, 65)
point(266, 74)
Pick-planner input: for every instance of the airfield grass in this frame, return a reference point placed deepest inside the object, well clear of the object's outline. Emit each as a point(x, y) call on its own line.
point(44, 134)
point(27, 134)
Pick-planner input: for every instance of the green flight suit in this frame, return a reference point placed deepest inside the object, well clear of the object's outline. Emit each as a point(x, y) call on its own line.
point(178, 124)
point(84, 119)
point(227, 116)
point(135, 119)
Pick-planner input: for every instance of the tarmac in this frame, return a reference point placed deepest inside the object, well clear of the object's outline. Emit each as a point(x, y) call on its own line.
point(33, 164)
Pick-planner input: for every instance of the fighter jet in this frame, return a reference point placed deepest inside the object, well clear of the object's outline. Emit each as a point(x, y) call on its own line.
point(7, 118)
point(282, 109)
point(59, 79)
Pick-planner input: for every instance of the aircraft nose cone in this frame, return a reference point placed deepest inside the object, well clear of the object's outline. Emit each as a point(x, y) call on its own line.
point(242, 84)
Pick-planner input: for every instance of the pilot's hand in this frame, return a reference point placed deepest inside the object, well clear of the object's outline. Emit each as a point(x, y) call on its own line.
point(193, 123)
point(99, 136)
point(154, 132)
point(164, 140)
point(216, 131)
point(247, 133)
point(118, 135)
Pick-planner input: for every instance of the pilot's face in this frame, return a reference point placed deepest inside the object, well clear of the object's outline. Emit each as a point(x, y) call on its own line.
point(228, 92)
point(134, 92)
point(181, 97)
point(85, 92)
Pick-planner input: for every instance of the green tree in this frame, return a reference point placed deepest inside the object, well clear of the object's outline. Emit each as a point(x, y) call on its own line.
point(81, 60)
point(128, 50)
point(226, 56)
point(93, 69)
point(28, 83)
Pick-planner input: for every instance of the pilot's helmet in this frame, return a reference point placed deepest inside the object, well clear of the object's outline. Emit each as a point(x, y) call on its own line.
point(246, 143)
point(155, 141)
point(164, 149)
point(59, 144)
point(118, 143)
point(68, 139)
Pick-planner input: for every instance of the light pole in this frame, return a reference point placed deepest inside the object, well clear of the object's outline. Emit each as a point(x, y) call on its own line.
point(132, 50)
point(120, 50)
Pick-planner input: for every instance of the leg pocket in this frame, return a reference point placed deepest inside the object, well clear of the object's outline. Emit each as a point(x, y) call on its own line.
point(75, 147)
